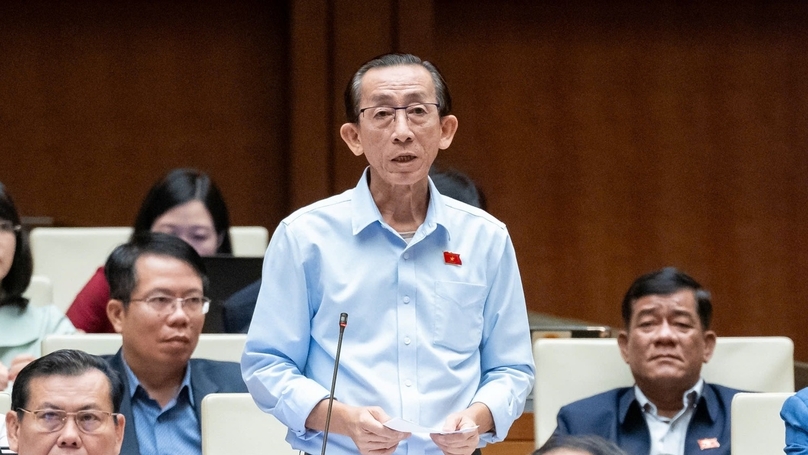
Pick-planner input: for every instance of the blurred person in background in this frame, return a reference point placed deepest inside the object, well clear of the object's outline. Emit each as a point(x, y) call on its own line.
point(22, 326)
point(185, 203)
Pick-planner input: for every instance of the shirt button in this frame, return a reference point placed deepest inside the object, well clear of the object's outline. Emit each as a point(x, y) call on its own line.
point(406, 256)
point(406, 299)
point(408, 383)
point(407, 340)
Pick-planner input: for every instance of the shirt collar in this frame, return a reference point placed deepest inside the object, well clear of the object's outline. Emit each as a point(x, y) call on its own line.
point(134, 382)
point(365, 212)
point(689, 399)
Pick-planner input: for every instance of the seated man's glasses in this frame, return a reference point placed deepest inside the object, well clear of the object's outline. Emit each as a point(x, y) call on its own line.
point(382, 116)
point(165, 305)
point(88, 421)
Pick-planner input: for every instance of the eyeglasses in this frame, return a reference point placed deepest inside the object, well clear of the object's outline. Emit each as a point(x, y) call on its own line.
point(8, 226)
point(88, 421)
point(382, 116)
point(163, 304)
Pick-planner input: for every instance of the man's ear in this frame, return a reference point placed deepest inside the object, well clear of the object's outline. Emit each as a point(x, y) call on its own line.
point(350, 134)
point(448, 128)
point(12, 430)
point(116, 313)
point(622, 342)
point(709, 345)
point(119, 432)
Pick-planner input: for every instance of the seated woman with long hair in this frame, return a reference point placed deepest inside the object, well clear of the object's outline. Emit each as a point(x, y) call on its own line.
point(22, 326)
point(185, 203)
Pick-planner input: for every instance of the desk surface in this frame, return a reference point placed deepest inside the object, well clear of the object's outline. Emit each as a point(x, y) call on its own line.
point(542, 324)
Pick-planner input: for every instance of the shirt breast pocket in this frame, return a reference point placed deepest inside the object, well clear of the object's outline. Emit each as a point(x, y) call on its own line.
point(459, 315)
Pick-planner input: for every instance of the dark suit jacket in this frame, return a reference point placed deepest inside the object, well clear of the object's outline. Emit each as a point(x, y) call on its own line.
point(237, 310)
point(616, 416)
point(207, 376)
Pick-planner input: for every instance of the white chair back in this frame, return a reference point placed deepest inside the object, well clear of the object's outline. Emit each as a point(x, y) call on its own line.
point(569, 369)
point(233, 424)
point(249, 241)
point(213, 346)
point(756, 426)
point(70, 255)
point(5, 403)
point(40, 291)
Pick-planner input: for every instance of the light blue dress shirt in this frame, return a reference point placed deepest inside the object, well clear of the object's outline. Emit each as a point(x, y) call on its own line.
point(425, 337)
point(172, 430)
point(795, 415)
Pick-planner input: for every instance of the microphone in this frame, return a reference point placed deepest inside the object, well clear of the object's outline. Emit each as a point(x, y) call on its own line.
point(343, 321)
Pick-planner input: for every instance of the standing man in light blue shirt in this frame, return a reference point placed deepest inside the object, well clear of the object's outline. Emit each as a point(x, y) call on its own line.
point(438, 331)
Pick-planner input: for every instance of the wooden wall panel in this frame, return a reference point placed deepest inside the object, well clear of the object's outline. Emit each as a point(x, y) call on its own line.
point(616, 138)
point(101, 98)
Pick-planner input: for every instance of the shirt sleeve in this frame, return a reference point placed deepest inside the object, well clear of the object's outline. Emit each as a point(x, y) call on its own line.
point(795, 415)
point(277, 346)
point(506, 354)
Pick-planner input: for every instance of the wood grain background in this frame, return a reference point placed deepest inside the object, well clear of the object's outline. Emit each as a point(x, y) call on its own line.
point(612, 138)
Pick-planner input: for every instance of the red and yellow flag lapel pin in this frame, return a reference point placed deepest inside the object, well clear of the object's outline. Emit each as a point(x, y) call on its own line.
point(708, 443)
point(452, 258)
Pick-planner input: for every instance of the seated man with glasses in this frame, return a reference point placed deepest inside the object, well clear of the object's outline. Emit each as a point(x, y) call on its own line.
point(158, 305)
point(66, 400)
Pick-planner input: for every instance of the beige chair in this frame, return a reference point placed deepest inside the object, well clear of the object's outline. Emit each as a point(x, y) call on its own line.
point(570, 369)
point(757, 428)
point(40, 291)
point(233, 424)
point(5, 403)
point(249, 241)
point(70, 256)
point(214, 346)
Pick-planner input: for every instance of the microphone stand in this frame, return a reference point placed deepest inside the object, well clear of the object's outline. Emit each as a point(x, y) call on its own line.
point(343, 321)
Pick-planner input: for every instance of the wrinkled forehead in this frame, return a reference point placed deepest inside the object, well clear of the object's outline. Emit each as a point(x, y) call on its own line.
point(408, 83)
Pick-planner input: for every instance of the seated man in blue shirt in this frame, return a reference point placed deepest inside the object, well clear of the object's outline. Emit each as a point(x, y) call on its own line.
point(440, 334)
point(670, 409)
point(158, 305)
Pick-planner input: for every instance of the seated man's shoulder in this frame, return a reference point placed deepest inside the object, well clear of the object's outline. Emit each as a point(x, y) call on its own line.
point(226, 374)
point(726, 393)
point(609, 397)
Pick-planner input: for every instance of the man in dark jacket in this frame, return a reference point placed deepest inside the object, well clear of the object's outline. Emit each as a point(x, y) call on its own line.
point(670, 409)
point(158, 305)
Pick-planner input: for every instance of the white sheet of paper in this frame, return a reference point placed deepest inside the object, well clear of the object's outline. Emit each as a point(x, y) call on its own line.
point(405, 426)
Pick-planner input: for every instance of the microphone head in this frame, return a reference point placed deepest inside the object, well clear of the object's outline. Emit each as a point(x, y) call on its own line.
point(343, 319)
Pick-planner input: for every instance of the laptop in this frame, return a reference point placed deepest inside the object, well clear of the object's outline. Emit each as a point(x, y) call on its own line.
point(226, 275)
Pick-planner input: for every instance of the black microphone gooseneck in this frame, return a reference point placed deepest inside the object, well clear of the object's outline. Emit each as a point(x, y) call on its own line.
point(343, 321)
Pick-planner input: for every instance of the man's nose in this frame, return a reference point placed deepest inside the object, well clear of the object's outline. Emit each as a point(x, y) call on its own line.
point(401, 126)
point(70, 435)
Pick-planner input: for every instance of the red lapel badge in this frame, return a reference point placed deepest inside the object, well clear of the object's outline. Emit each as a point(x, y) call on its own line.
point(709, 443)
point(452, 258)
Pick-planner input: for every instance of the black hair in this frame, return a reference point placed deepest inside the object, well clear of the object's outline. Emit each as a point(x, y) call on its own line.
point(179, 187)
point(668, 281)
point(592, 444)
point(120, 268)
point(64, 362)
point(353, 92)
point(457, 185)
point(18, 277)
